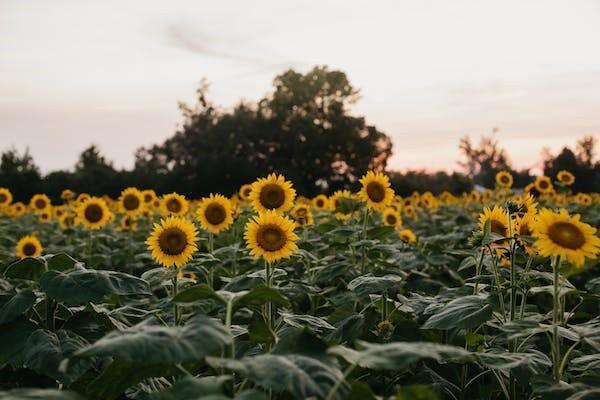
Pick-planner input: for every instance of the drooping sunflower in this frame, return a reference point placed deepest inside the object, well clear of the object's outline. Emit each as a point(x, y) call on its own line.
point(498, 220)
point(174, 204)
point(245, 192)
point(526, 205)
point(336, 201)
point(391, 217)
point(272, 193)
point(39, 202)
point(565, 177)
point(131, 202)
point(560, 235)
point(215, 213)
point(302, 215)
point(523, 228)
point(407, 236)
point(271, 236)
point(6, 197)
point(29, 246)
point(66, 221)
point(376, 191)
point(173, 241)
point(93, 213)
point(543, 184)
point(321, 202)
point(504, 179)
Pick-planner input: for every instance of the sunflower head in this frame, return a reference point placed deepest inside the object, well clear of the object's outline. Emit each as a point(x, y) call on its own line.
point(271, 236)
point(565, 177)
point(584, 199)
point(497, 219)
point(523, 228)
point(215, 213)
point(504, 179)
point(131, 202)
point(407, 236)
point(560, 235)
point(526, 205)
point(93, 213)
point(173, 241)
point(302, 215)
point(272, 193)
point(376, 191)
point(543, 184)
point(128, 223)
point(39, 203)
point(17, 209)
point(174, 204)
point(66, 221)
point(391, 217)
point(29, 246)
point(67, 195)
point(45, 216)
point(245, 192)
point(6, 197)
point(321, 202)
point(149, 196)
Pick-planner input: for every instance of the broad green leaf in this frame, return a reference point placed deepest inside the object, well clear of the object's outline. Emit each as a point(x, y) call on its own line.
point(30, 269)
point(190, 388)
point(299, 376)
point(61, 262)
point(260, 295)
point(417, 392)
point(150, 344)
point(13, 338)
point(81, 286)
point(39, 394)
point(367, 284)
point(463, 312)
point(300, 321)
point(15, 304)
point(196, 293)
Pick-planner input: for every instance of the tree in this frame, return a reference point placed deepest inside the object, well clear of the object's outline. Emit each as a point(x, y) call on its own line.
point(20, 174)
point(483, 161)
point(303, 129)
point(581, 163)
point(94, 174)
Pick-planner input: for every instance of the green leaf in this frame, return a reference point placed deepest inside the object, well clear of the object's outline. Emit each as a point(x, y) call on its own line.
point(13, 338)
point(150, 344)
point(45, 351)
point(61, 262)
point(299, 321)
point(367, 284)
point(190, 388)
point(416, 392)
point(30, 269)
point(196, 293)
point(260, 295)
point(463, 312)
point(299, 376)
point(81, 286)
point(39, 394)
point(11, 306)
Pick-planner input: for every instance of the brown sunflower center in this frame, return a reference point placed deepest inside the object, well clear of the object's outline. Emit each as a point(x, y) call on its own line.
point(272, 196)
point(543, 184)
point(566, 235)
point(320, 203)
point(504, 179)
point(93, 213)
point(131, 202)
point(40, 204)
point(376, 192)
point(525, 230)
point(301, 212)
point(498, 228)
point(246, 192)
point(3, 197)
point(147, 198)
point(215, 214)
point(29, 249)
point(172, 241)
point(391, 219)
point(271, 238)
point(174, 205)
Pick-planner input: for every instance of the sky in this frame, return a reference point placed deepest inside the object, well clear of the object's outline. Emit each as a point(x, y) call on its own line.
point(111, 73)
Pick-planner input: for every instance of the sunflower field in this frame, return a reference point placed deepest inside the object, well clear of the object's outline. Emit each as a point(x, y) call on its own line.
point(270, 295)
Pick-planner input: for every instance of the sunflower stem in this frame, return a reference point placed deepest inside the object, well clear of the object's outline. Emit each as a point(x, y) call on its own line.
point(175, 307)
point(364, 237)
point(555, 320)
point(268, 305)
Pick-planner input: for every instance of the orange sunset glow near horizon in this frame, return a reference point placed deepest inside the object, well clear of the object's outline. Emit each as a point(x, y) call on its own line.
point(111, 73)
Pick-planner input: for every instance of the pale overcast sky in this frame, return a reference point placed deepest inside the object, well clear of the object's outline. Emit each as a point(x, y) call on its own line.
point(111, 72)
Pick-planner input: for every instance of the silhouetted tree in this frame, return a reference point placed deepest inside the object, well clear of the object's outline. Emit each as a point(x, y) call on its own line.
point(484, 160)
point(406, 183)
point(19, 173)
point(580, 163)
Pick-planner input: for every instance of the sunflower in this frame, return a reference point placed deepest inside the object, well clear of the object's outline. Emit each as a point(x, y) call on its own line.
point(410, 211)
point(67, 195)
point(271, 236)
point(407, 236)
point(173, 241)
point(245, 192)
point(58, 211)
point(321, 202)
point(543, 184)
point(523, 228)
point(498, 221)
point(526, 205)
point(29, 246)
point(174, 204)
point(272, 193)
point(302, 215)
point(93, 213)
point(565, 177)
point(45, 216)
point(504, 179)
point(560, 235)
point(391, 217)
point(6, 197)
point(584, 199)
point(39, 202)
point(149, 196)
point(131, 202)
point(66, 221)
point(376, 191)
point(81, 197)
point(475, 197)
point(127, 223)
point(215, 213)
point(17, 209)
point(336, 201)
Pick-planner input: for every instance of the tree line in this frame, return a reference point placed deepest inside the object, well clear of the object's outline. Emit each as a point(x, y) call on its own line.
point(303, 129)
